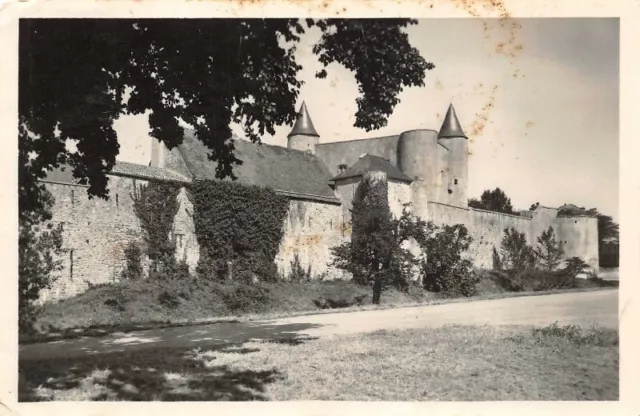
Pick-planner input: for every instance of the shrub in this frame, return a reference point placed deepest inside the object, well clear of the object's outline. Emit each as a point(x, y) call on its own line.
point(238, 226)
point(243, 297)
point(576, 335)
point(133, 269)
point(444, 269)
point(548, 252)
point(168, 299)
point(516, 253)
point(497, 261)
point(298, 273)
point(574, 266)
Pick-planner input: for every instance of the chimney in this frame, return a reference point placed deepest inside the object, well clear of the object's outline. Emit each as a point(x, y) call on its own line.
point(157, 153)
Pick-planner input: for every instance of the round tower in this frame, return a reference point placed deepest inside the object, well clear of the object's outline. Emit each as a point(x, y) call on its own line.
point(452, 137)
point(303, 136)
point(418, 159)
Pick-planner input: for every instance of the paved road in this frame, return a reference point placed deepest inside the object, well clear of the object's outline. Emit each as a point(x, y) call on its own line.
point(581, 308)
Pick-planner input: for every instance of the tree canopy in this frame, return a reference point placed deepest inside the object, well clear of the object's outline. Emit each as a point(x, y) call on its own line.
point(495, 200)
point(79, 75)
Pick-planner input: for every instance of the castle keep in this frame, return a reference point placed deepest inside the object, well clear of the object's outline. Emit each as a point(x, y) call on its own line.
point(426, 169)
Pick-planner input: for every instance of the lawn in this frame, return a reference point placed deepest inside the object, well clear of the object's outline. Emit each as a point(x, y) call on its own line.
point(451, 363)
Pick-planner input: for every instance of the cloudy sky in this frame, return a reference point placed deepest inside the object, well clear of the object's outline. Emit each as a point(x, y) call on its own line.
point(538, 99)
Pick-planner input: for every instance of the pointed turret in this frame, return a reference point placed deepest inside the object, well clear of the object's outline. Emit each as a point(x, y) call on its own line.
point(303, 136)
point(304, 125)
point(455, 170)
point(451, 126)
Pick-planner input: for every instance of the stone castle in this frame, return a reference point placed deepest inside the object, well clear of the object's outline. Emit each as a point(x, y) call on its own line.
point(426, 169)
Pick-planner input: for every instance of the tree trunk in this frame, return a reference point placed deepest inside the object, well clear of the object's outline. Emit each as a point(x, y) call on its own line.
point(377, 290)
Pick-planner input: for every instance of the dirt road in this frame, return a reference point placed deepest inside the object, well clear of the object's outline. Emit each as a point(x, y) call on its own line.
point(581, 308)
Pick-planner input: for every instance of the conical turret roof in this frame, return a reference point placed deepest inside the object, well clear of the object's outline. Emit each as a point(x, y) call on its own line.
point(451, 126)
point(303, 125)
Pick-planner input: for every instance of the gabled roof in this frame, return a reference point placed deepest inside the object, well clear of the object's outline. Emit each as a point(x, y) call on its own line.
point(304, 125)
point(369, 163)
point(451, 126)
point(287, 171)
point(64, 174)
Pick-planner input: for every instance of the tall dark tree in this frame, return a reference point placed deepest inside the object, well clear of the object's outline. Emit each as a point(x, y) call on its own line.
point(495, 200)
point(374, 245)
point(78, 75)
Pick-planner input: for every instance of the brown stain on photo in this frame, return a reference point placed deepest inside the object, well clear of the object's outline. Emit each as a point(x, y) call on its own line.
point(482, 118)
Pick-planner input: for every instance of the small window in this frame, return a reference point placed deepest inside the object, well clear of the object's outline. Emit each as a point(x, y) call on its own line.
point(455, 181)
point(73, 197)
point(117, 202)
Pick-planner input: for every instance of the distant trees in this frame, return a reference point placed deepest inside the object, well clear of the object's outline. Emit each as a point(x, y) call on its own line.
point(608, 233)
point(493, 200)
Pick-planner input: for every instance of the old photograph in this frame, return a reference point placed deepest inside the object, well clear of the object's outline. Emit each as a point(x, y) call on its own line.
point(270, 209)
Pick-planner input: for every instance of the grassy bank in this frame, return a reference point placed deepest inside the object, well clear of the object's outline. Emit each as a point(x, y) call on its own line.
point(450, 363)
point(130, 305)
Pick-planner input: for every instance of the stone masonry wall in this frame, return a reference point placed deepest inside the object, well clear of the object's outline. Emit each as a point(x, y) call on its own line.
point(184, 231)
point(95, 235)
point(311, 229)
point(578, 236)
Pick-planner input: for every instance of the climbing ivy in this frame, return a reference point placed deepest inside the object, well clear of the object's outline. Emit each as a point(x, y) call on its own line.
point(156, 206)
point(239, 229)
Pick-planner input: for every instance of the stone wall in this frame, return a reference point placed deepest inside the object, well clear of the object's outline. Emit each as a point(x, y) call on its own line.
point(95, 235)
point(184, 231)
point(578, 235)
point(399, 195)
point(311, 229)
point(348, 152)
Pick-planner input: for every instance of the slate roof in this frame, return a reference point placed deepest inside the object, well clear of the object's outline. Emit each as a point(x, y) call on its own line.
point(286, 171)
point(369, 163)
point(304, 125)
point(451, 126)
point(64, 173)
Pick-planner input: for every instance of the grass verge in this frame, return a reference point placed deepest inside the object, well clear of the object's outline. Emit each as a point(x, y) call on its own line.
point(136, 305)
point(450, 363)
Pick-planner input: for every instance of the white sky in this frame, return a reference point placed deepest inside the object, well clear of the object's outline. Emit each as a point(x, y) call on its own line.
point(538, 99)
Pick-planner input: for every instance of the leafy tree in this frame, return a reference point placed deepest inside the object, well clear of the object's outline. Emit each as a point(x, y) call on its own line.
point(374, 255)
point(535, 206)
point(548, 252)
point(78, 75)
point(39, 251)
point(444, 269)
point(495, 200)
point(517, 254)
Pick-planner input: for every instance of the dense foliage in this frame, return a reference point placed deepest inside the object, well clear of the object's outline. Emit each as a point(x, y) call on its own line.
point(372, 255)
point(548, 252)
point(516, 253)
point(156, 206)
point(444, 266)
point(239, 229)
point(133, 256)
point(79, 75)
point(495, 200)
point(39, 251)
